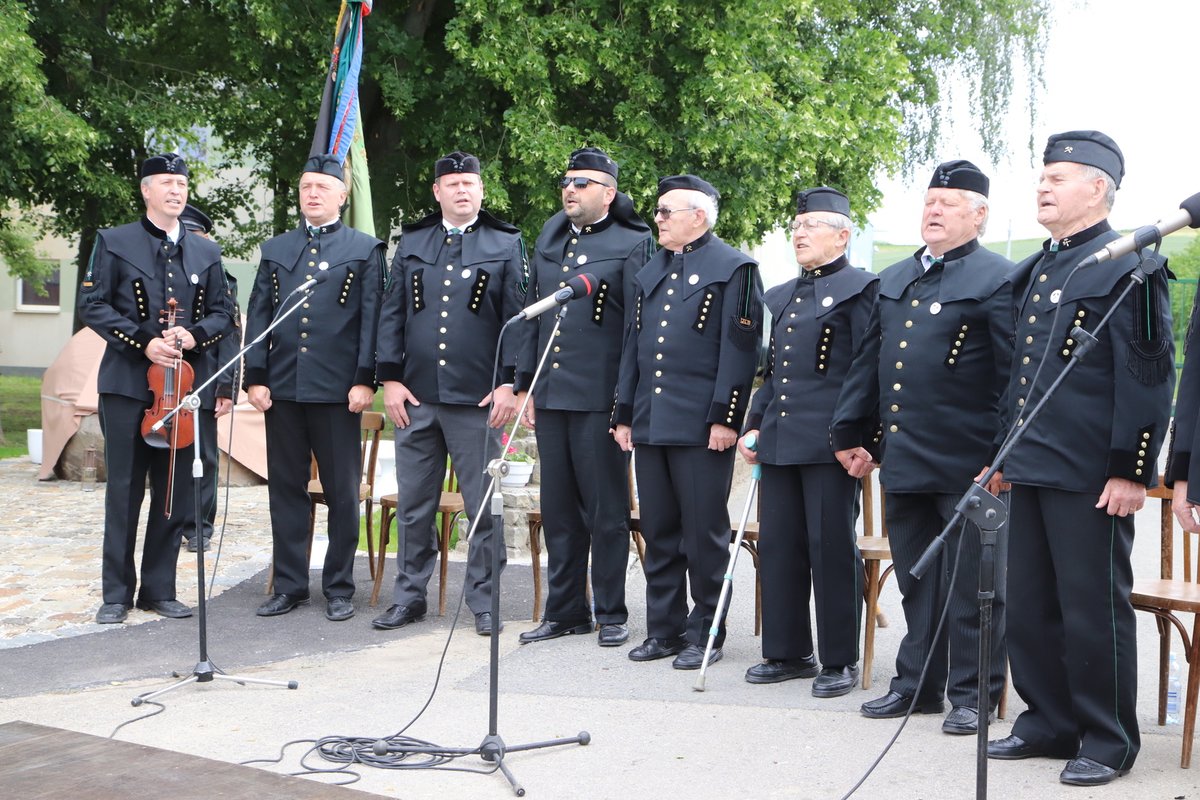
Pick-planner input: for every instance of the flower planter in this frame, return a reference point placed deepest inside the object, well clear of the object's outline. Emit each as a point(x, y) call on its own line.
point(519, 473)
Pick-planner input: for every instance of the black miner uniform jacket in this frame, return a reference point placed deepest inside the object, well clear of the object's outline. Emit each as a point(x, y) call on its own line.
point(935, 365)
point(690, 354)
point(818, 323)
point(134, 270)
point(447, 298)
point(581, 373)
point(327, 346)
point(1109, 417)
point(1184, 461)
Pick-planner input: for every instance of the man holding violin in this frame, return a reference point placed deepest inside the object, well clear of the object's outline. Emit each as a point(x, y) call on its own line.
point(136, 273)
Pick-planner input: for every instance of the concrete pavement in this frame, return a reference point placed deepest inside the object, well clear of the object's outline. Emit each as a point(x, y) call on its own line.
point(652, 735)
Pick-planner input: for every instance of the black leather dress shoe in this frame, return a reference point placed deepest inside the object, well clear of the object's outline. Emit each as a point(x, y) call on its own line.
point(1014, 748)
point(894, 704)
point(483, 624)
point(613, 634)
point(280, 604)
point(964, 720)
point(652, 649)
point(191, 544)
point(835, 681)
point(167, 608)
point(111, 613)
point(693, 656)
point(398, 616)
point(777, 670)
point(338, 609)
point(552, 629)
point(1085, 772)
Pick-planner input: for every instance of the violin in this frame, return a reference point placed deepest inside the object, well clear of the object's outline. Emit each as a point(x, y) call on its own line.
point(169, 385)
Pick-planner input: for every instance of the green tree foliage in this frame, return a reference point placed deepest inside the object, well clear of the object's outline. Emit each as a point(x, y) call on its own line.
point(115, 67)
point(758, 96)
point(40, 138)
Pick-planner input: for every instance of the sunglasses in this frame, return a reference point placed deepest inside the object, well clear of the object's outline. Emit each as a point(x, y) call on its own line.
point(580, 182)
point(663, 211)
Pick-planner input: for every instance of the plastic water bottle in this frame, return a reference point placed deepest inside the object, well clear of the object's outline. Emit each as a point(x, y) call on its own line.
point(1173, 692)
point(87, 479)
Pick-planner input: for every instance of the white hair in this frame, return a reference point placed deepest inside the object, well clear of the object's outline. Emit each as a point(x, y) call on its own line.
point(977, 202)
point(703, 202)
point(1090, 173)
point(837, 221)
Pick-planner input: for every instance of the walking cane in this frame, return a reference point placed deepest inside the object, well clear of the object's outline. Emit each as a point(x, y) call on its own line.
point(727, 584)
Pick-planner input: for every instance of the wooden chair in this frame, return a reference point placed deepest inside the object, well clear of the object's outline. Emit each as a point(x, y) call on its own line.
point(874, 550)
point(1165, 598)
point(451, 506)
point(371, 429)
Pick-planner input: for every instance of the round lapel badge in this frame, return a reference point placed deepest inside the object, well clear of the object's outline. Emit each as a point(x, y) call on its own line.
point(935, 308)
point(583, 259)
point(693, 279)
point(466, 273)
point(1057, 293)
point(827, 301)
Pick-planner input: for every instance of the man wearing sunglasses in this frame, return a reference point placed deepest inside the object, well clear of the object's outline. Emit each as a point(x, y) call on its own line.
point(682, 392)
point(585, 494)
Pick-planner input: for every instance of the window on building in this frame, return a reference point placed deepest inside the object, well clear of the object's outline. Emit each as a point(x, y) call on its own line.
point(29, 299)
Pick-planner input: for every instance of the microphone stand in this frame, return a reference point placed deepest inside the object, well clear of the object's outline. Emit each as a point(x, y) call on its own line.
point(493, 748)
point(989, 513)
point(204, 671)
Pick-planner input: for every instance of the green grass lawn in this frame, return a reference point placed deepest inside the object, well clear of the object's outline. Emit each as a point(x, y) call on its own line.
point(20, 410)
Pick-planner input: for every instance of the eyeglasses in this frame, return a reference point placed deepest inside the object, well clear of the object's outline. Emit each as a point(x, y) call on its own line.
point(663, 211)
point(808, 225)
point(579, 181)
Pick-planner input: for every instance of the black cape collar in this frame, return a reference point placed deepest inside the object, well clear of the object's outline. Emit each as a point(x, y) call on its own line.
point(593, 227)
point(157, 232)
point(826, 270)
point(1081, 238)
point(696, 244)
point(962, 251)
point(332, 227)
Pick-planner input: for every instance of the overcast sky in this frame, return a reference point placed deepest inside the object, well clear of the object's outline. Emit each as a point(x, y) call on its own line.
point(1124, 68)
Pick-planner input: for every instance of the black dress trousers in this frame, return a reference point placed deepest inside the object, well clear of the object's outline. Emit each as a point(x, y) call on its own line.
point(687, 537)
point(330, 433)
point(585, 503)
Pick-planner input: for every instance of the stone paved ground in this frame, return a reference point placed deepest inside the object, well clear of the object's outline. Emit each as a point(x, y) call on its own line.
point(51, 534)
point(50, 537)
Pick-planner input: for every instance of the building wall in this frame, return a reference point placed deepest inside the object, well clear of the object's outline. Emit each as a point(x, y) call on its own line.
point(31, 336)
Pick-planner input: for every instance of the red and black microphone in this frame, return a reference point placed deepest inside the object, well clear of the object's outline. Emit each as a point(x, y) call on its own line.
point(581, 285)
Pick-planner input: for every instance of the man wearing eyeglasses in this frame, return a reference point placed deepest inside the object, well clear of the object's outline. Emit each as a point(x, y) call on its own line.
point(457, 276)
point(935, 363)
point(584, 492)
point(682, 393)
point(806, 539)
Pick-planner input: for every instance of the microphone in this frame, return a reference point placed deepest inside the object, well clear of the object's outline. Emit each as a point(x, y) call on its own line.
point(1188, 215)
point(321, 276)
point(581, 285)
